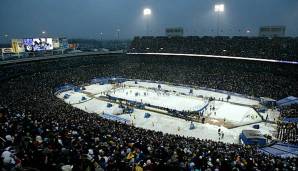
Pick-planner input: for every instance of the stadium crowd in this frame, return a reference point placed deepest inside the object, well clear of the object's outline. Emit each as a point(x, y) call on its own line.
point(257, 47)
point(287, 128)
point(289, 111)
point(41, 132)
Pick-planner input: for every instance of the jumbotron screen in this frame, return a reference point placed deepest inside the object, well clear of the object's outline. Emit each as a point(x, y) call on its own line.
point(38, 44)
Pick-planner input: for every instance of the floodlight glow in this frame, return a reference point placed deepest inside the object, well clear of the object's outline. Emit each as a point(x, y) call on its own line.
point(147, 11)
point(219, 7)
point(43, 32)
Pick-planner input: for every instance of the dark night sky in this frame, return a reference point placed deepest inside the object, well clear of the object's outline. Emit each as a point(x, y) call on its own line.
point(87, 18)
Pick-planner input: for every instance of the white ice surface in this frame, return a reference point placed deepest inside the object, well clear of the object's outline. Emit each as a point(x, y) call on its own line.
point(158, 98)
point(97, 88)
point(98, 106)
point(75, 97)
point(197, 92)
point(172, 125)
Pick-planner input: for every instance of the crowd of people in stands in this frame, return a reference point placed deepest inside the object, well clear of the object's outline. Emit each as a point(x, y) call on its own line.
point(257, 47)
point(289, 111)
point(41, 132)
point(288, 131)
point(287, 126)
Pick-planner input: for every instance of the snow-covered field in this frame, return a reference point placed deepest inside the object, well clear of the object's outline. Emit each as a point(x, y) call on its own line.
point(96, 88)
point(234, 113)
point(231, 112)
point(75, 97)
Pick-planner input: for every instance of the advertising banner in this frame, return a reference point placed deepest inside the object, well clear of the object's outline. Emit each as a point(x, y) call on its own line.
point(56, 43)
point(28, 45)
point(17, 45)
point(38, 44)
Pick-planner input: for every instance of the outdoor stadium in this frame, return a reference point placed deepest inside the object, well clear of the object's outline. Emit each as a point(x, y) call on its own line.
point(149, 85)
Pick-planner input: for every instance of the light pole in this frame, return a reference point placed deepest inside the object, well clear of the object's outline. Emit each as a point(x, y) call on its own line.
point(101, 44)
point(118, 34)
point(101, 36)
point(218, 8)
point(147, 13)
point(118, 37)
point(43, 33)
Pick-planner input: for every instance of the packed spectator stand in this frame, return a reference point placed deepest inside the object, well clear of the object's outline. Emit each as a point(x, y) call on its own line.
point(279, 48)
point(287, 126)
point(40, 132)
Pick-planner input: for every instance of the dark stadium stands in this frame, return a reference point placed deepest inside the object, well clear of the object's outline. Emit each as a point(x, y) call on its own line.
point(258, 47)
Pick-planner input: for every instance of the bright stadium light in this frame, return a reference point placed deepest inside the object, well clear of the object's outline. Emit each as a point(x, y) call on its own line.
point(147, 11)
point(219, 8)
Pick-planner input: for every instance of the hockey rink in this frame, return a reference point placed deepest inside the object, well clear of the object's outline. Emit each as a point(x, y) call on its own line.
point(177, 98)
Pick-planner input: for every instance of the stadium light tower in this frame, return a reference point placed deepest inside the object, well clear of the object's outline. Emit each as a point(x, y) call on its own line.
point(218, 8)
point(147, 13)
point(101, 33)
point(118, 34)
point(118, 38)
point(43, 33)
